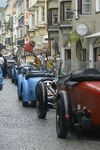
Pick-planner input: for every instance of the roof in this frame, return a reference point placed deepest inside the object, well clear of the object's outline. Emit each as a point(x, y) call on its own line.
point(93, 35)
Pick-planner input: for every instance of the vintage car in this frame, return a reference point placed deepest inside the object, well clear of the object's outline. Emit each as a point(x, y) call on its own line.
point(1, 79)
point(14, 73)
point(46, 96)
point(78, 102)
point(18, 69)
point(10, 63)
point(27, 85)
point(77, 99)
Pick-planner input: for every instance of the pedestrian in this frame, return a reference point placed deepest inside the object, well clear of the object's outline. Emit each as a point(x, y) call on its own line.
point(4, 67)
point(1, 62)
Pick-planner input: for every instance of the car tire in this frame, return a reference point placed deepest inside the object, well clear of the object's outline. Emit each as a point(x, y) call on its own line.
point(13, 81)
point(25, 104)
point(41, 103)
point(61, 128)
point(20, 98)
point(1, 87)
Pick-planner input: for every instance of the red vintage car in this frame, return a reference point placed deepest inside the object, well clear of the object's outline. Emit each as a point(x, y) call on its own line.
point(78, 101)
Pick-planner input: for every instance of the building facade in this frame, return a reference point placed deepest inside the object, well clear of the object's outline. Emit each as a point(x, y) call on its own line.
point(38, 24)
point(75, 30)
point(71, 28)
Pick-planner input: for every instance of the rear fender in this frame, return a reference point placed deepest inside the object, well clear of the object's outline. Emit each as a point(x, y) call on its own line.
point(25, 90)
point(16, 73)
point(20, 80)
point(32, 85)
point(12, 73)
point(1, 79)
point(63, 96)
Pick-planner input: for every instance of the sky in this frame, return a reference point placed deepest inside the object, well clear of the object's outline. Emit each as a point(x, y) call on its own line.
point(3, 3)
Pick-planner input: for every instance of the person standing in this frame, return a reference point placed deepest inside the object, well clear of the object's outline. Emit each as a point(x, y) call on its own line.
point(1, 59)
point(4, 67)
point(1, 62)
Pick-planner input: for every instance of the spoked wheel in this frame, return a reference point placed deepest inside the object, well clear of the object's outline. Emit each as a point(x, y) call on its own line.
point(61, 128)
point(50, 94)
point(41, 103)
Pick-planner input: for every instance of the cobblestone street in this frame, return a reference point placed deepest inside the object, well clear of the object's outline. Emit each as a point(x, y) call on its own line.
point(20, 129)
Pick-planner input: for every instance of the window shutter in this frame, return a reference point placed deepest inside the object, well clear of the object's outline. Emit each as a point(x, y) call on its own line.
point(79, 6)
point(62, 12)
point(50, 17)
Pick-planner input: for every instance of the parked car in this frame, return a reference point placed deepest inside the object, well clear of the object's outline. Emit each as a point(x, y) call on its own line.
point(18, 69)
point(1, 79)
point(46, 96)
point(27, 85)
point(14, 74)
point(10, 63)
point(78, 101)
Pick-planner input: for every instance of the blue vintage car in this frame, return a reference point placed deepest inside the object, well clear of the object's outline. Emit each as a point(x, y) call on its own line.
point(14, 74)
point(1, 79)
point(18, 69)
point(27, 85)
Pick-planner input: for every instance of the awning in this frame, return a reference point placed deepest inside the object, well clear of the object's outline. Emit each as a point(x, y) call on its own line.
point(95, 35)
point(28, 47)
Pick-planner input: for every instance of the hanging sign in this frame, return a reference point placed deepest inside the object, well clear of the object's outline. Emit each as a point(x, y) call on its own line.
point(74, 37)
point(82, 29)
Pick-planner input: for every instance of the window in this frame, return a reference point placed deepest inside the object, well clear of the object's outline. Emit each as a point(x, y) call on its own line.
point(66, 13)
point(83, 57)
point(97, 5)
point(37, 13)
point(27, 4)
point(43, 13)
point(54, 16)
point(84, 6)
point(32, 21)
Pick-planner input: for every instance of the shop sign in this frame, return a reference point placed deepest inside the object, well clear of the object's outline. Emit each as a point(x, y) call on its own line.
point(74, 37)
point(82, 29)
